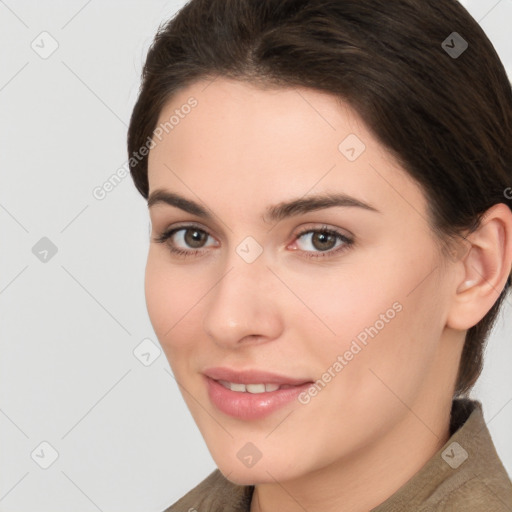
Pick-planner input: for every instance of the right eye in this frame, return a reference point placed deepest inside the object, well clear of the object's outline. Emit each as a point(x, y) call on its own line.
point(184, 240)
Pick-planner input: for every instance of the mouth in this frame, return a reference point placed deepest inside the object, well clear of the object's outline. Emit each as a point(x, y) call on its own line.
point(253, 388)
point(252, 377)
point(251, 394)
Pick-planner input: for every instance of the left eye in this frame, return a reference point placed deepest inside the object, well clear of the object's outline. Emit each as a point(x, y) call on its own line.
point(323, 240)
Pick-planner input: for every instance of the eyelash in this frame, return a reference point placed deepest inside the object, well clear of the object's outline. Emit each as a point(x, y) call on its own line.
point(347, 242)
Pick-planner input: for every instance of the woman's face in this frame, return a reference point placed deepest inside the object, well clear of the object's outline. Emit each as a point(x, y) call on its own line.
point(359, 310)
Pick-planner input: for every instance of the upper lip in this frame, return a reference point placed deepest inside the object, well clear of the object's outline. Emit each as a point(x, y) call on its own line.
point(251, 377)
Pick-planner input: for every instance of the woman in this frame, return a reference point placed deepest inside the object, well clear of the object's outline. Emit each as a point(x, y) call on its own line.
point(329, 189)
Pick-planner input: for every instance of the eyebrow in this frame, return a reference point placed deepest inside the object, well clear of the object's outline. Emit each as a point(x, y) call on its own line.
point(274, 213)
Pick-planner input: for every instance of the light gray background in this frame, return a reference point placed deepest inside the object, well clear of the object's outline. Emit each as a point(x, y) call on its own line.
point(69, 377)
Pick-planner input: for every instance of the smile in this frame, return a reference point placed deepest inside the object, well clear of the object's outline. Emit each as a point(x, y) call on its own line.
point(252, 388)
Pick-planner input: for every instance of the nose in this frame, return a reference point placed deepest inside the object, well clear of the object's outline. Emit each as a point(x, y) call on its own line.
point(242, 307)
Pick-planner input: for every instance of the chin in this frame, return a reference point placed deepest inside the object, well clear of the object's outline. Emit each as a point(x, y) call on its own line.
point(260, 473)
point(249, 476)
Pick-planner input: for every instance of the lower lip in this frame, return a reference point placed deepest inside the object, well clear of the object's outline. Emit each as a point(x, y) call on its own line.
point(251, 406)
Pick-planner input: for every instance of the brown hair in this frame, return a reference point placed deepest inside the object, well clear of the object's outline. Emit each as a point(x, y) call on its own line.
point(446, 118)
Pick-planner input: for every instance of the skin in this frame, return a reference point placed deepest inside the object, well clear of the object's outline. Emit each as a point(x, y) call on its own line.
point(378, 421)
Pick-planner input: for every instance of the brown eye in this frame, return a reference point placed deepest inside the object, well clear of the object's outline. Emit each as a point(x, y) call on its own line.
point(186, 240)
point(195, 238)
point(322, 242)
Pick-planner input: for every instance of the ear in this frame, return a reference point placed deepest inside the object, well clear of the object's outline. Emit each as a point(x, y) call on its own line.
point(485, 269)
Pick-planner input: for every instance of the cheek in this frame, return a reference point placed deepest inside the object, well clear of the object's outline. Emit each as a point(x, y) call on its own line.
point(391, 347)
point(337, 304)
point(168, 299)
point(158, 292)
point(385, 317)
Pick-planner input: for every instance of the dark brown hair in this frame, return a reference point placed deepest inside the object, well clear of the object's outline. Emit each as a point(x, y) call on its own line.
point(446, 118)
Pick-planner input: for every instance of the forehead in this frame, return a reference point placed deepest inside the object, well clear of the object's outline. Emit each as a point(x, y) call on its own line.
point(247, 142)
point(232, 113)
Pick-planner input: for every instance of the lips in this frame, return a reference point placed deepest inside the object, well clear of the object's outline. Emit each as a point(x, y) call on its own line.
point(251, 395)
point(252, 377)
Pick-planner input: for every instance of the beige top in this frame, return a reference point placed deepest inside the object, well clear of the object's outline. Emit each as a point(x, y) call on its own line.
point(465, 475)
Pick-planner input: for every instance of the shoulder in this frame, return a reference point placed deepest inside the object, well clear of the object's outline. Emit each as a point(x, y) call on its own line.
point(475, 478)
point(215, 494)
point(466, 474)
point(493, 494)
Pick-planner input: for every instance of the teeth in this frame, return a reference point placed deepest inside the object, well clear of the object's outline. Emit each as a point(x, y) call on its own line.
point(237, 387)
point(250, 388)
point(255, 388)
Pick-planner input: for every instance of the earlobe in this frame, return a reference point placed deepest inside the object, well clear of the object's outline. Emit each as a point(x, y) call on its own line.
point(485, 269)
